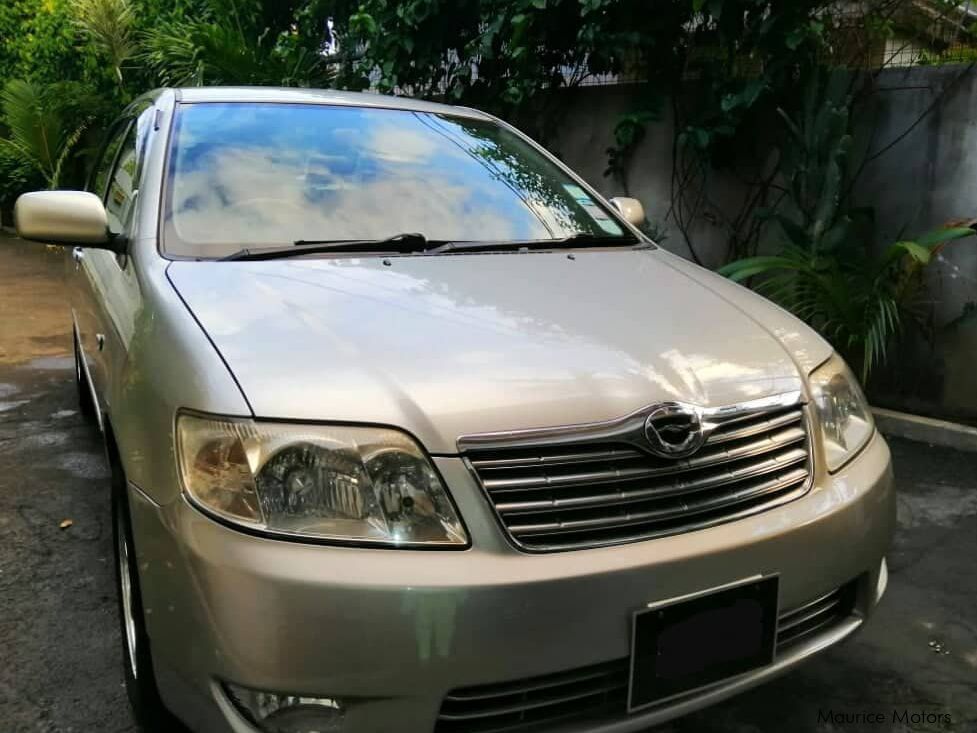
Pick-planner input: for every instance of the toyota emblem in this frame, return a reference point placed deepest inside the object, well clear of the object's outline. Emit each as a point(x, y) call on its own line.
point(674, 430)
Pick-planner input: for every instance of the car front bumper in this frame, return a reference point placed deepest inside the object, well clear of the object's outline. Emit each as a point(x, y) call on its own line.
point(391, 632)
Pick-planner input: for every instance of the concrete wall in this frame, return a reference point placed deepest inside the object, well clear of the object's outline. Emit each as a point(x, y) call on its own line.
point(926, 179)
point(929, 176)
point(582, 142)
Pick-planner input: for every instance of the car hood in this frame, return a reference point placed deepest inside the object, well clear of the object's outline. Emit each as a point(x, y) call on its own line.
point(445, 346)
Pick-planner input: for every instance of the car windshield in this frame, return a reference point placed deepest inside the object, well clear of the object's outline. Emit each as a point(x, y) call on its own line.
point(247, 175)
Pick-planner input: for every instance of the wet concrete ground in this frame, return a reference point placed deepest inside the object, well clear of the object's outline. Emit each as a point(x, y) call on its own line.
point(59, 643)
point(60, 659)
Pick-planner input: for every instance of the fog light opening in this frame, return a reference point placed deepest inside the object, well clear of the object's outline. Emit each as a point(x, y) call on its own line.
point(274, 712)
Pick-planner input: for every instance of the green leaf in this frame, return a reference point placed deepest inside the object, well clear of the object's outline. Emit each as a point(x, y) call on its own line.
point(837, 235)
point(915, 250)
point(940, 236)
point(740, 270)
point(695, 136)
point(745, 98)
point(795, 38)
point(513, 94)
point(827, 207)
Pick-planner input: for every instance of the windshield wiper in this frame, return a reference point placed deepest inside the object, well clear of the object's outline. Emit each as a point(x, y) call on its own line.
point(411, 242)
point(403, 243)
point(581, 239)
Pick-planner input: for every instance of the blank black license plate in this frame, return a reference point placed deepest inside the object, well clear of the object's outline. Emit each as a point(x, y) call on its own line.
point(688, 644)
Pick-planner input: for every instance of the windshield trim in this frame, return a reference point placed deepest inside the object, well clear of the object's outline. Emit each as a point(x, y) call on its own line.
point(630, 233)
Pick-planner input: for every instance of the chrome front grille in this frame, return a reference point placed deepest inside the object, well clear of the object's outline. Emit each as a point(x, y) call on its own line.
point(594, 487)
point(599, 692)
point(814, 616)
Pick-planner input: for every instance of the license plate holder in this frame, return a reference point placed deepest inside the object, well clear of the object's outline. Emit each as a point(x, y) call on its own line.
point(695, 641)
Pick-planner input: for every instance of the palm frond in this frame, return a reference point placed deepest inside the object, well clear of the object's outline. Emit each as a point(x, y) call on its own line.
point(36, 130)
point(857, 303)
point(108, 24)
point(882, 323)
point(70, 142)
point(202, 51)
point(172, 52)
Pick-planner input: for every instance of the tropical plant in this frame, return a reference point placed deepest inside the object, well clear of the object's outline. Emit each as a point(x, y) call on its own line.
point(825, 269)
point(16, 176)
point(814, 165)
point(233, 43)
point(108, 24)
point(857, 301)
point(38, 134)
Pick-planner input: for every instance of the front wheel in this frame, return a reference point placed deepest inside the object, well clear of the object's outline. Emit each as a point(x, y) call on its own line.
point(138, 662)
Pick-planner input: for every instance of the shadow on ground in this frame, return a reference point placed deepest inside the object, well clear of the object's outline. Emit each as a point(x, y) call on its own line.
point(59, 638)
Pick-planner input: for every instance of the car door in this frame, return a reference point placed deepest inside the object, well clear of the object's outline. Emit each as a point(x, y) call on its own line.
point(110, 289)
point(78, 274)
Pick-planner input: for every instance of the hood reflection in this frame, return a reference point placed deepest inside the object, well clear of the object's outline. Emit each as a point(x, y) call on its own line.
point(448, 345)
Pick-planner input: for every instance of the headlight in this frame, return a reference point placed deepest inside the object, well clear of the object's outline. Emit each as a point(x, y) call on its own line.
point(843, 412)
point(352, 484)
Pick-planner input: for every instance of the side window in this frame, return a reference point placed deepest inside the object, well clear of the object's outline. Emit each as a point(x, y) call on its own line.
point(144, 124)
point(100, 173)
point(121, 194)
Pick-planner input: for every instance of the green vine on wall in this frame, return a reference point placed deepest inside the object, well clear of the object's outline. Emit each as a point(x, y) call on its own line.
point(518, 58)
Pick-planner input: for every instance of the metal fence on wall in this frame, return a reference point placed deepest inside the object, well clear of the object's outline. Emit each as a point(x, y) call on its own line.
point(910, 33)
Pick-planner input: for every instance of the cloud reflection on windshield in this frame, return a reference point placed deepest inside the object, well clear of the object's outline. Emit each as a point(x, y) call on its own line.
point(273, 173)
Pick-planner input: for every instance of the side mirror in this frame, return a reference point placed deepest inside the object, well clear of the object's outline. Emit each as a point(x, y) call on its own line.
point(63, 217)
point(630, 209)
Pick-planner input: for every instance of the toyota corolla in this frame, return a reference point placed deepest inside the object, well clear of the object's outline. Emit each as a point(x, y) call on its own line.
point(412, 430)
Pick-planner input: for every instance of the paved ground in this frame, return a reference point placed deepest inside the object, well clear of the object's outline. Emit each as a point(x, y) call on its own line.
point(59, 644)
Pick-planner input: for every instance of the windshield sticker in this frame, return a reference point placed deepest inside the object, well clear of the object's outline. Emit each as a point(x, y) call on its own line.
point(590, 206)
point(578, 193)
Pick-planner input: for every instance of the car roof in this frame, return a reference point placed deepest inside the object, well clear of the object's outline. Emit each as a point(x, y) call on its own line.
point(319, 96)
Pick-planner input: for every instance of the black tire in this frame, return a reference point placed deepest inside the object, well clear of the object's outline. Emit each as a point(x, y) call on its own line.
point(140, 679)
point(86, 405)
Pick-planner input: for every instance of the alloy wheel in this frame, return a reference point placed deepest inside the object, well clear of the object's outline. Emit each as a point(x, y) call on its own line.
point(125, 591)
